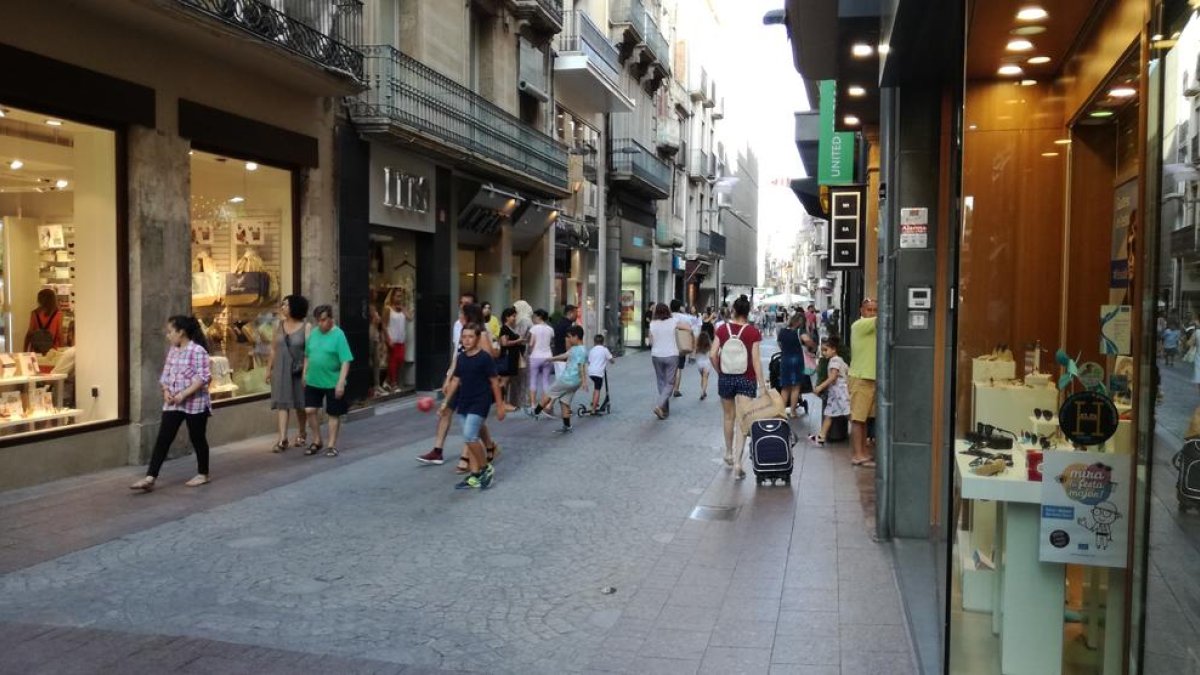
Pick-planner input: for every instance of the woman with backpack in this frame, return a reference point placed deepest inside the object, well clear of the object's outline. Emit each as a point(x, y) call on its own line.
point(45, 324)
point(738, 358)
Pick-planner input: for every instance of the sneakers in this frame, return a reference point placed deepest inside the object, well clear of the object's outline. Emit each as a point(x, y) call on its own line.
point(471, 482)
point(564, 430)
point(433, 457)
point(486, 477)
point(532, 415)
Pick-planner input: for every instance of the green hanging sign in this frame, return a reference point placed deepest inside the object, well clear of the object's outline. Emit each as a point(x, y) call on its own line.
point(836, 148)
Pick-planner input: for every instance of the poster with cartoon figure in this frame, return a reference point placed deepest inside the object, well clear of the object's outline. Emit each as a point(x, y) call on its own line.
point(1085, 496)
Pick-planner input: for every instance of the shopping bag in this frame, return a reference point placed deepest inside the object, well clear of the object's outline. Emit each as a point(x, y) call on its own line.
point(247, 288)
point(206, 288)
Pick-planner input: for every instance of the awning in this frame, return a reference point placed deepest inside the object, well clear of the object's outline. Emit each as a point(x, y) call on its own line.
point(808, 191)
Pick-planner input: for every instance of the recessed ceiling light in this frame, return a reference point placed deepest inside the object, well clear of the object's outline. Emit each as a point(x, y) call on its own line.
point(1028, 30)
point(1101, 113)
point(850, 120)
point(1010, 69)
point(61, 183)
point(862, 50)
point(1028, 83)
point(54, 122)
point(1019, 45)
point(1122, 92)
point(973, 127)
point(1063, 141)
point(1049, 154)
point(237, 200)
point(251, 166)
point(1038, 60)
point(1032, 13)
point(856, 91)
point(16, 164)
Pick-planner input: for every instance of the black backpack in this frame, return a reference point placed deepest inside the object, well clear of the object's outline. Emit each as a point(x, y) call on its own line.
point(41, 340)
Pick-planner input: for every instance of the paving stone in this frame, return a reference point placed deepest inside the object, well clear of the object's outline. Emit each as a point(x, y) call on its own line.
point(807, 623)
point(658, 666)
point(675, 644)
point(808, 650)
point(735, 661)
point(740, 633)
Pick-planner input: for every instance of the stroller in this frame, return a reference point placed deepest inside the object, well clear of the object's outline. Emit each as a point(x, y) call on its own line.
point(604, 408)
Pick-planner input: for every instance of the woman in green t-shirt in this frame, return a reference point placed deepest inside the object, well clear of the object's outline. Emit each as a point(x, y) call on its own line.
point(327, 360)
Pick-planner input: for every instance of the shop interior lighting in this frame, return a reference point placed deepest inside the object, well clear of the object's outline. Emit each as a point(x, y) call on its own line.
point(856, 91)
point(1122, 92)
point(1028, 83)
point(973, 127)
point(1049, 154)
point(61, 183)
point(237, 200)
point(1010, 69)
point(251, 166)
point(1032, 13)
point(1100, 114)
point(850, 121)
point(1019, 45)
point(862, 50)
point(16, 164)
point(885, 49)
point(1063, 141)
point(1028, 30)
point(54, 122)
point(3, 112)
point(1038, 60)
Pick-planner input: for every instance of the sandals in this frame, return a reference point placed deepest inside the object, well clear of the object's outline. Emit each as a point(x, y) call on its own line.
point(864, 463)
point(313, 448)
point(146, 484)
point(281, 446)
point(198, 480)
point(817, 440)
point(300, 442)
point(463, 466)
point(331, 452)
point(493, 453)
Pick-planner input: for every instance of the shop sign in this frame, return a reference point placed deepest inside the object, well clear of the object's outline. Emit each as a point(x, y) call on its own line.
point(846, 227)
point(835, 150)
point(1088, 418)
point(1084, 496)
point(405, 191)
point(914, 228)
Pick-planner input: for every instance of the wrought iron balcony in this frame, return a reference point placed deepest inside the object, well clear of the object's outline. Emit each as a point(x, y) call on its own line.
point(632, 16)
point(319, 30)
point(406, 98)
point(543, 15)
point(633, 164)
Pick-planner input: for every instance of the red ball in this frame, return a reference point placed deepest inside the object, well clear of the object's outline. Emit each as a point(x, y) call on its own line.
point(425, 403)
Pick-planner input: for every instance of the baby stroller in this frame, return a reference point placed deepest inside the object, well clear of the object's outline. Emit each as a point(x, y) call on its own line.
point(604, 408)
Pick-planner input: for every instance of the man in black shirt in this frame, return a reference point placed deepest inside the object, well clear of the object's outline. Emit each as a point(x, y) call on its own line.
point(561, 326)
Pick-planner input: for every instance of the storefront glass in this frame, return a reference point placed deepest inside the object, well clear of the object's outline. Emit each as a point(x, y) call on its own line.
point(632, 300)
point(1047, 390)
point(242, 265)
point(59, 338)
point(393, 280)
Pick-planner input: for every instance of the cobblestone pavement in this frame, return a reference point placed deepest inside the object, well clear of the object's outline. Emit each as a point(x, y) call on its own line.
point(378, 565)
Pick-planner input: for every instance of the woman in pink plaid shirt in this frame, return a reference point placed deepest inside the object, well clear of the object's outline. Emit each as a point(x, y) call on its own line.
point(184, 381)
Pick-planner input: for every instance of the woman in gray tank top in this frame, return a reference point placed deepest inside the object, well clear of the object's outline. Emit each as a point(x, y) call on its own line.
point(285, 369)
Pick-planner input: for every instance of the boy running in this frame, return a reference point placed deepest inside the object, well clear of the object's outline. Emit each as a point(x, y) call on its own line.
point(474, 374)
point(570, 381)
point(598, 359)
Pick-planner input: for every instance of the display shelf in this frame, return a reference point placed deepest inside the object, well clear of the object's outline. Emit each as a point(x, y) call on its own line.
point(32, 379)
point(60, 415)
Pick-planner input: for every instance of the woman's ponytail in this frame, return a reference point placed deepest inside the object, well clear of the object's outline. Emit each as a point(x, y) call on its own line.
point(190, 326)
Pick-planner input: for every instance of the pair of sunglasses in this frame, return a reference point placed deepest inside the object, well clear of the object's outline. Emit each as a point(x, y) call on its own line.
point(1043, 414)
point(1033, 439)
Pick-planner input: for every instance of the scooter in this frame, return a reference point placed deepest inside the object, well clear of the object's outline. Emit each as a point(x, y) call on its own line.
point(605, 408)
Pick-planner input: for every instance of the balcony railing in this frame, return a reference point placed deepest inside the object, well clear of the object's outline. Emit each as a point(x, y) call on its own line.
point(669, 136)
point(698, 87)
point(632, 13)
point(319, 30)
point(702, 165)
point(580, 34)
point(710, 243)
point(631, 159)
point(410, 94)
point(666, 235)
point(658, 45)
point(545, 13)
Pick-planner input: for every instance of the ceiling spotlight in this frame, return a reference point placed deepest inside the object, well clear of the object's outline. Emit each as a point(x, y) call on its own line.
point(1101, 113)
point(1019, 45)
point(3, 112)
point(1028, 83)
point(61, 183)
point(973, 127)
point(1038, 60)
point(237, 200)
point(856, 91)
point(1063, 141)
point(16, 164)
point(1122, 92)
point(885, 49)
point(54, 122)
point(1028, 30)
point(862, 50)
point(1032, 13)
point(1010, 69)
point(850, 121)
point(1049, 154)
point(251, 166)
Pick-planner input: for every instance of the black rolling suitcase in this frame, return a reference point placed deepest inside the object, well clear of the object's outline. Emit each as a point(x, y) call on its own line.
point(1187, 486)
point(771, 450)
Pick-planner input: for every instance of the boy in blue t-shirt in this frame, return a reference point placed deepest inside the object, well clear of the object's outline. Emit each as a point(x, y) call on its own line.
point(474, 374)
point(571, 380)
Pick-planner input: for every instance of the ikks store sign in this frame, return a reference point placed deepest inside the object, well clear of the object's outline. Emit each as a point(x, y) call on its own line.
point(836, 148)
point(401, 189)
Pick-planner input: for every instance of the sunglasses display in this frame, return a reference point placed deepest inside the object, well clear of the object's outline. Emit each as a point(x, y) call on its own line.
point(1043, 414)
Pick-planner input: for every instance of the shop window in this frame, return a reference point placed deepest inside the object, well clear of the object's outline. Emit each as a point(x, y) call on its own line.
point(59, 342)
point(467, 277)
point(242, 266)
point(393, 275)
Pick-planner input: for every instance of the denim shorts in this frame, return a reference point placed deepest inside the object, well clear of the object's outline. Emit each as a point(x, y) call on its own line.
point(471, 424)
point(730, 386)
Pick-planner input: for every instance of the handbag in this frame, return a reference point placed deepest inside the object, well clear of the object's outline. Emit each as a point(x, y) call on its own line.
point(247, 288)
point(297, 366)
point(685, 340)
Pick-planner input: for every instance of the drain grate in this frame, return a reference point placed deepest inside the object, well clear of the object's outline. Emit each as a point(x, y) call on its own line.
point(714, 513)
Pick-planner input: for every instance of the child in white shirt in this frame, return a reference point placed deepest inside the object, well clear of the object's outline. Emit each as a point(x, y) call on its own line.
point(598, 359)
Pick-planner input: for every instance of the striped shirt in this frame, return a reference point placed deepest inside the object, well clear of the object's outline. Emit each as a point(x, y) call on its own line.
point(184, 366)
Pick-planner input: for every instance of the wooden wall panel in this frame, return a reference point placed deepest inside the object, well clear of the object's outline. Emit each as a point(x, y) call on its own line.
point(1115, 33)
